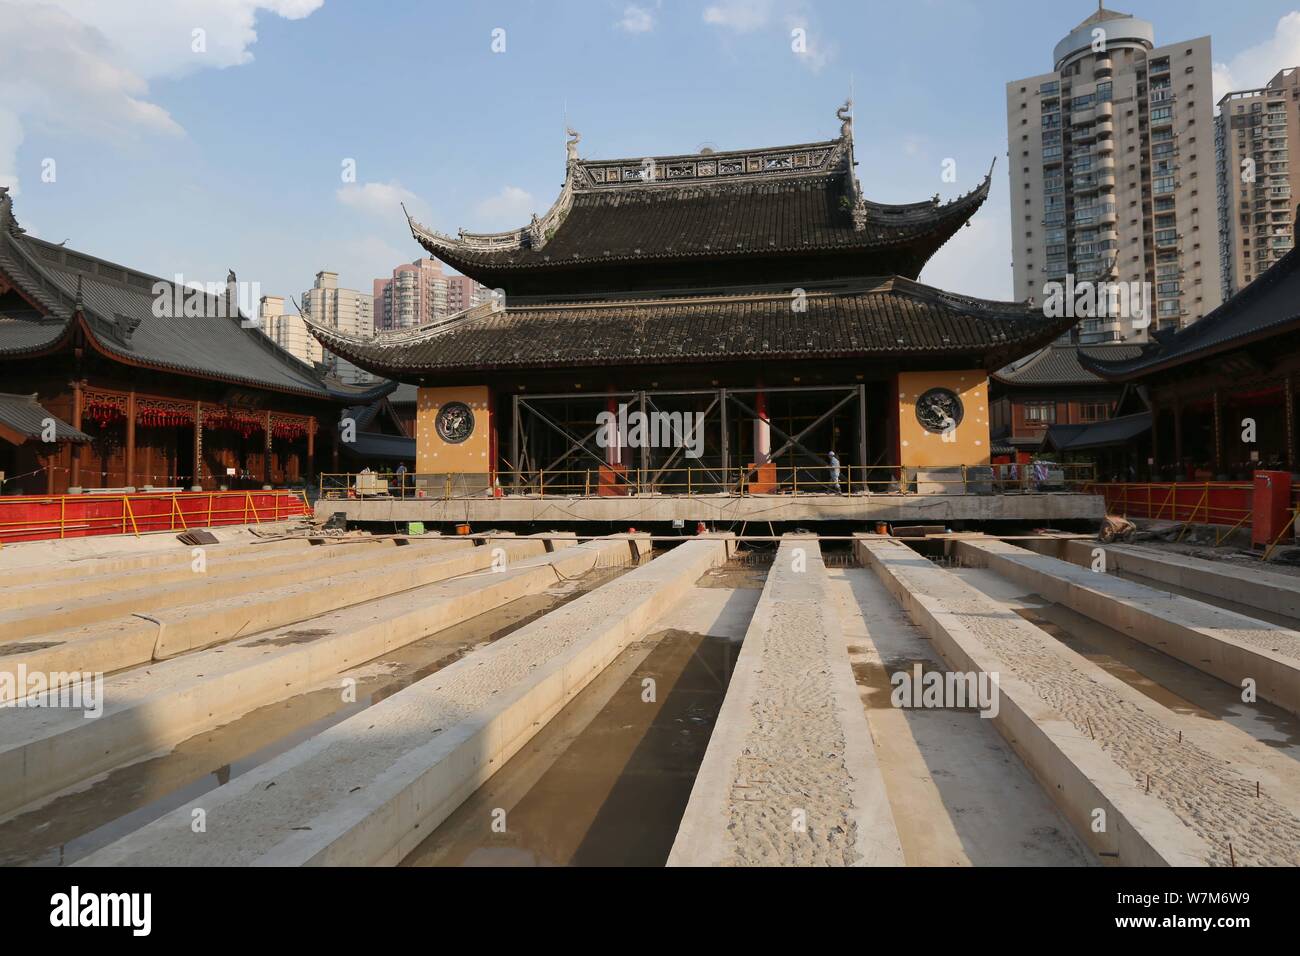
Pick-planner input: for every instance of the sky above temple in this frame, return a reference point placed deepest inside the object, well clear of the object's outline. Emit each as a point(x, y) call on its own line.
point(136, 138)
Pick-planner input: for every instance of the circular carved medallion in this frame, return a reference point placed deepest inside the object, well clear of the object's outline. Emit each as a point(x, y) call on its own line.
point(455, 422)
point(939, 409)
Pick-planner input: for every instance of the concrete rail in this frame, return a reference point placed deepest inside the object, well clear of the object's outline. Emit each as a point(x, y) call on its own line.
point(218, 563)
point(42, 751)
point(1094, 742)
point(138, 638)
point(369, 789)
point(790, 775)
point(1255, 587)
point(1224, 644)
point(146, 595)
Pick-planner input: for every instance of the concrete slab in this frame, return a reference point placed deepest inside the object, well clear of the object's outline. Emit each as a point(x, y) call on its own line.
point(218, 563)
point(139, 638)
point(790, 776)
point(369, 789)
point(21, 556)
point(1230, 646)
point(42, 751)
point(141, 593)
point(1039, 508)
point(1093, 742)
point(959, 794)
point(1257, 587)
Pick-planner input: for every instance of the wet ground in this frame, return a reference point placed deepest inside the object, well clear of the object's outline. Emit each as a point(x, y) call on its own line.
point(606, 781)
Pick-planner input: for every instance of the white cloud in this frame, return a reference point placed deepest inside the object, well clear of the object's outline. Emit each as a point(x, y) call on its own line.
point(383, 200)
point(636, 19)
point(804, 37)
point(742, 16)
point(84, 66)
point(1253, 67)
point(509, 208)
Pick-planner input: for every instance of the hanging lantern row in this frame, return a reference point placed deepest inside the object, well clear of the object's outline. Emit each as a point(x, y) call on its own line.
point(245, 423)
point(164, 417)
point(289, 431)
point(102, 412)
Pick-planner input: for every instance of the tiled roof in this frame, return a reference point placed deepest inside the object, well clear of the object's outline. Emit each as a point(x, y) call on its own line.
point(117, 306)
point(717, 221)
point(24, 415)
point(1114, 431)
point(891, 317)
point(1059, 365)
point(1268, 306)
point(714, 207)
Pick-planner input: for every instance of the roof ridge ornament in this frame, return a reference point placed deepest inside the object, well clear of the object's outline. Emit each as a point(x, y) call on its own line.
point(845, 115)
point(571, 145)
point(858, 200)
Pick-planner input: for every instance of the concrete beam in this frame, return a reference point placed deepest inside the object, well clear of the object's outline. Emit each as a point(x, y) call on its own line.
point(790, 775)
point(1224, 644)
point(142, 593)
point(139, 638)
point(371, 788)
point(42, 751)
point(1083, 734)
point(1044, 508)
point(1254, 586)
point(179, 570)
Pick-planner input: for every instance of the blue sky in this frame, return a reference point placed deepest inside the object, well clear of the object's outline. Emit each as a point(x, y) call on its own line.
point(168, 159)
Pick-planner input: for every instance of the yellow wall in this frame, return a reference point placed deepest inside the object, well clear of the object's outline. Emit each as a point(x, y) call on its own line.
point(920, 448)
point(435, 456)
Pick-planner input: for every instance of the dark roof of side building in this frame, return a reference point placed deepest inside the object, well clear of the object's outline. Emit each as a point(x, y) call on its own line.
point(1107, 434)
point(1268, 306)
point(1060, 365)
point(115, 305)
point(24, 415)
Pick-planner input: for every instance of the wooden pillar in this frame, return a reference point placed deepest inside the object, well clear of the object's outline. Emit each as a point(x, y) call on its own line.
point(1288, 416)
point(130, 438)
point(862, 430)
point(311, 451)
point(48, 461)
point(1178, 439)
point(1218, 434)
point(197, 478)
point(77, 401)
point(1155, 442)
point(726, 435)
point(266, 453)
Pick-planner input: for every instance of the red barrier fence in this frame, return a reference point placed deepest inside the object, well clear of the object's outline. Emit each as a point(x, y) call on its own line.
point(1202, 502)
point(37, 517)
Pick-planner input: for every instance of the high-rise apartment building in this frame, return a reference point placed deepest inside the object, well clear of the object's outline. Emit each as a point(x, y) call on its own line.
point(288, 331)
point(1256, 179)
point(344, 309)
point(465, 293)
point(419, 292)
point(1112, 170)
